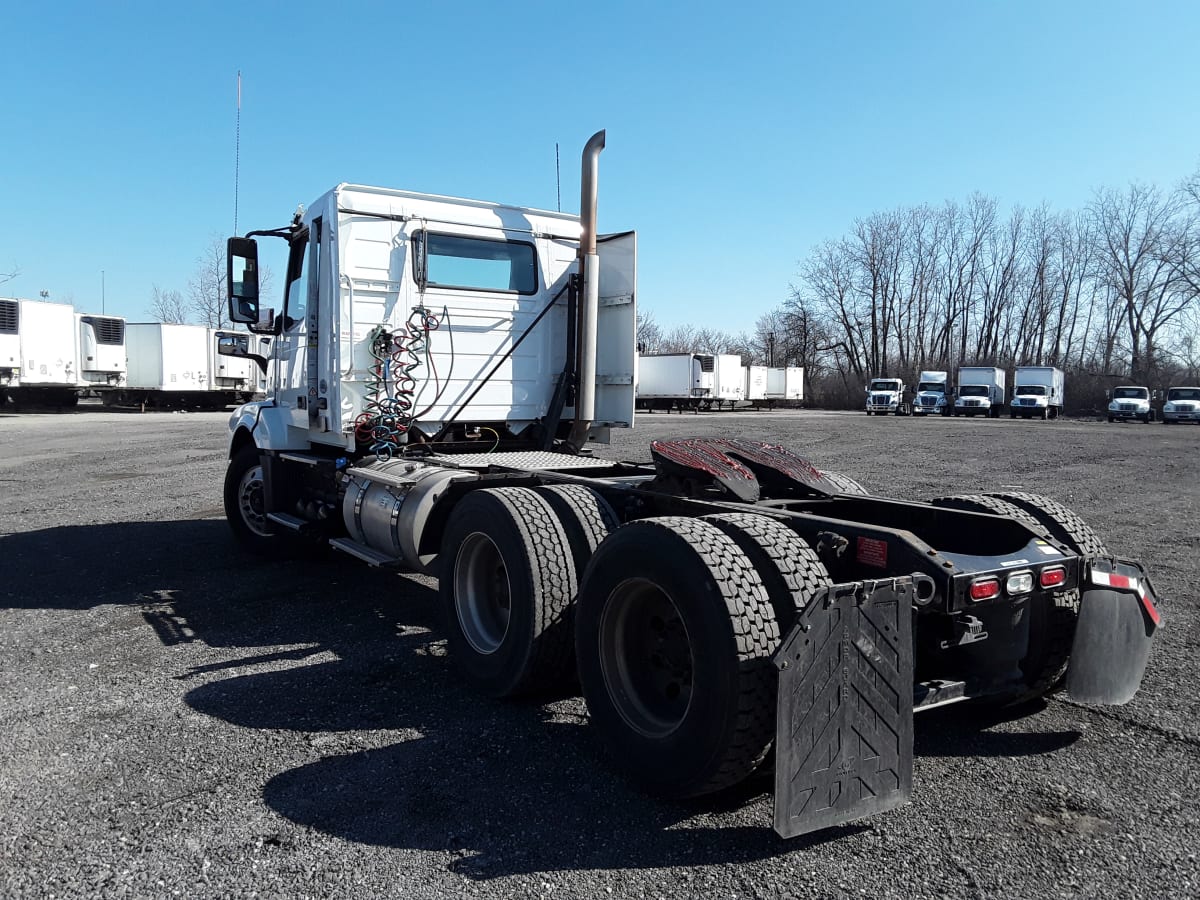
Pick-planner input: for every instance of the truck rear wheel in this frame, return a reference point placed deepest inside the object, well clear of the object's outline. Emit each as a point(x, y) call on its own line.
point(586, 517)
point(245, 509)
point(674, 634)
point(506, 586)
point(844, 483)
point(790, 570)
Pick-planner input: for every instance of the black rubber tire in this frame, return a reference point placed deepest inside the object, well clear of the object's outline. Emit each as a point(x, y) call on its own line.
point(1012, 415)
point(845, 483)
point(707, 585)
point(1110, 420)
point(586, 517)
point(790, 570)
point(985, 503)
point(1052, 623)
point(1063, 524)
point(514, 532)
point(249, 525)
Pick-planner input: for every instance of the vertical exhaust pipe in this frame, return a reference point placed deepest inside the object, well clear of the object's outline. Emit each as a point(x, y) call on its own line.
point(589, 267)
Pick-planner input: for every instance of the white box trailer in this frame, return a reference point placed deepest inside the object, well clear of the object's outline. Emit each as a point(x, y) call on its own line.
point(173, 365)
point(666, 380)
point(1037, 391)
point(729, 381)
point(103, 361)
point(785, 383)
point(48, 354)
point(756, 383)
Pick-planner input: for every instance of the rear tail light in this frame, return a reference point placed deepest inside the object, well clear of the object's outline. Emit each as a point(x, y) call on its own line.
point(985, 589)
point(1052, 577)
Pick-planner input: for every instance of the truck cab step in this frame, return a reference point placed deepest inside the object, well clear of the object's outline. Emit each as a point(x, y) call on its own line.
point(369, 555)
point(294, 523)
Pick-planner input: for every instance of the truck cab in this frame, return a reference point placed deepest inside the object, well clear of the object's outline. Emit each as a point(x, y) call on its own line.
point(980, 391)
point(887, 395)
point(932, 397)
point(1182, 405)
point(1130, 402)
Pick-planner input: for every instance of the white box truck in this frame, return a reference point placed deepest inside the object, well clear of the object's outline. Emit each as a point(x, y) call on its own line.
point(932, 394)
point(1037, 391)
point(980, 391)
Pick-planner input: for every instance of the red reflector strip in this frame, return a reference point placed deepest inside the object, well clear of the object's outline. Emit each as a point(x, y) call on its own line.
point(985, 590)
point(1052, 577)
point(1151, 609)
point(1113, 580)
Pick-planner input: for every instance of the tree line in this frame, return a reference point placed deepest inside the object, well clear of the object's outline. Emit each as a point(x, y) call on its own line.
point(1107, 293)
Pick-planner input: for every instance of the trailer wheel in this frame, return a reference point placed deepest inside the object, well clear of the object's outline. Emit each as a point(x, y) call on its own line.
point(790, 570)
point(845, 483)
point(674, 634)
point(506, 588)
point(244, 503)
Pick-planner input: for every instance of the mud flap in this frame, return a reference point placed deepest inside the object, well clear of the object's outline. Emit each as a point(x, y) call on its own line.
point(1118, 617)
point(844, 732)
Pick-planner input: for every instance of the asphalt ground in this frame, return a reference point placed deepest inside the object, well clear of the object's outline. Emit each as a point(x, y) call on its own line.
point(177, 719)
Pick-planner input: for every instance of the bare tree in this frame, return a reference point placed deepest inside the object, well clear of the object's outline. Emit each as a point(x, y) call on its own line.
point(9, 276)
point(649, 333)
point(206, 288)
point(168, 306)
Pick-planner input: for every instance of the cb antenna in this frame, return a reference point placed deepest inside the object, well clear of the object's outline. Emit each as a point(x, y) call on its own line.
point(237, 150)
point(557, 177)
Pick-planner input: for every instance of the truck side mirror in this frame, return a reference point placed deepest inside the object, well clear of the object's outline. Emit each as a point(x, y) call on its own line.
point(1108, 395)
point(241, 272)
point(230, 343)
point(1154, 395)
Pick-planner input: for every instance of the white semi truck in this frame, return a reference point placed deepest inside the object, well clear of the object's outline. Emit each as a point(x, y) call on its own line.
point(1182, 405)
point(439, 366)
point(933, 396)
point(1129, 402)
point(980, 391)
point(888, 395)
point(1037, 391)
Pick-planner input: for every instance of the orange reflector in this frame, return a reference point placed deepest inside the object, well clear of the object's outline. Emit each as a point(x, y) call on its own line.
point(985, 589)
point(1052, 577)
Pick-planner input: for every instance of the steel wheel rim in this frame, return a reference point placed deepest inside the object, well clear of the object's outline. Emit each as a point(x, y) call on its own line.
point(250, 501)
point(482, 593)
point(646, 658)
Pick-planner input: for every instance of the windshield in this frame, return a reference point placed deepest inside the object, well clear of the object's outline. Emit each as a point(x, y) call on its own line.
point(1183, 394)
point(1035, 390)
point(974, 390)
point(938, 387)
point(1131, 393)
point(885, 385)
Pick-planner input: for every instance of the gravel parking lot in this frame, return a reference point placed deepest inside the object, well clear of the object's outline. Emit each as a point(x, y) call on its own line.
point(179, 719)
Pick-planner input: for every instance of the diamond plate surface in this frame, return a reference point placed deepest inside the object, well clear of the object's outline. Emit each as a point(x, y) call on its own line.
point(537, 460)
point(844, 733)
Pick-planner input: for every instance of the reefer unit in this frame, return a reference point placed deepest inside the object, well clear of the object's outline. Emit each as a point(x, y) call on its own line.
point(102, 356)
point(10, 343)
point(231, 373)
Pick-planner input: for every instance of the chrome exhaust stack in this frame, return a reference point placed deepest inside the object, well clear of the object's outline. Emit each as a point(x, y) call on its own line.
point(589, 267)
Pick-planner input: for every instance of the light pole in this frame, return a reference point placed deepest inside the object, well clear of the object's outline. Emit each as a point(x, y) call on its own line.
point(45, 295)
point(102, 310)
point(771, 348)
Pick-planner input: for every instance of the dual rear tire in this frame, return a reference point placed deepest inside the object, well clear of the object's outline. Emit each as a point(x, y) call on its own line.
point(670, 623)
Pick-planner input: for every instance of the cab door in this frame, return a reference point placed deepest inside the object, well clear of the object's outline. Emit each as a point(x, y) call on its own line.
point(295, 347)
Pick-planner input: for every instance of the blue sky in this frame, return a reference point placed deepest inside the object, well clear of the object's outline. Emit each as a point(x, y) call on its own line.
point(739, 135)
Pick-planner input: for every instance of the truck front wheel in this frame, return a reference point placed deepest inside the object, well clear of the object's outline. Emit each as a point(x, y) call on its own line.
point(674, 633)
point(506, 587)
point(245, 509)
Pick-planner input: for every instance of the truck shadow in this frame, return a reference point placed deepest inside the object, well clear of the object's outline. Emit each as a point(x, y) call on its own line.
point(336, 647)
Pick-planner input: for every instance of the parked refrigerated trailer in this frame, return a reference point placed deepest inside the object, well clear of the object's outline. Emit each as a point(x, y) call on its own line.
point(176, 366)
point(10, 346)
point(756, 384)
point(48, 357)
point(675, 380)
point(724, 604)
point(103, 356)
point(729, 381)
